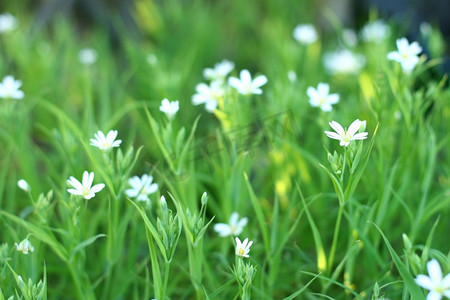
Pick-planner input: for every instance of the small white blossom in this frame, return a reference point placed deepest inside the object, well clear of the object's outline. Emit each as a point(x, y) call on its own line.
point(242, 249)
point(7, 22)
point(87, 56)
point(343, 61)
point(23, 184)
point(407, 54)
point(208, 95)
point(321, 97)
point(141, 187)
point(292, 76)
point(152, 59)
point(105, 143)
point(9, 88)
point(219, 72)
point(375, 31)
point(170, 108)
point(437, 284)
point(234, 227)
point(245, 85)
point(85, 187)
point(346, 136)
point(305, 34)
point(350, 38)
point(24, 246)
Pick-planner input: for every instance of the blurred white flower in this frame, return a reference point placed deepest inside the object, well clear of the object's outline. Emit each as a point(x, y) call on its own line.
point(245, 85)
point(437, 285)
point(292, 76)
point(105, 143)
point(350, 38)
point(242, 249)
point(305, 34)
point(220, 71)
point(407, 54)
point(24, 246)
point(85, 187)
point(9, 88)
point(152, 59)
point(321, 97)
point(425, 29)
point(24, 185)
point(346, 136)
point(7, 22)
point(170, 108)
point(343, 61)
point(141, 187)
point(208, 95)
point(87, 56)
point(375, 31)
point(234, 227)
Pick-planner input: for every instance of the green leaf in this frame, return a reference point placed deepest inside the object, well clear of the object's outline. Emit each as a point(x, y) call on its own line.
point(84, 244)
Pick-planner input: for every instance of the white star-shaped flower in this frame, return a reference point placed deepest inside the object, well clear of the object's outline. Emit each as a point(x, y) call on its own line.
point(407, 54)
point(305, 34)
point(234, 227)
point(9, 88)
point(242, 249)
point(105, 143)
point(208, 95)
point(7, 22)
point(85, 187)
point(346, 136)
point(24, 246)
point(245, 85)
point(141, 187)
point(437, 284)
point(170, 108)
point(321, 97)
point(219, 72)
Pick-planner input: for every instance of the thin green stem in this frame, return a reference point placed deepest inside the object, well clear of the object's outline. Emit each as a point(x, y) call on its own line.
point(335, 238)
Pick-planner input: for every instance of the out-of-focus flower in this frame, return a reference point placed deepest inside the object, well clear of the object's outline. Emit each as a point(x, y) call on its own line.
point(305, 34)
point(234, 227)
point(105, 143)
point(208, 95)
point(321, 97)
point(85, 187)
point(350, 38)
point(24, 185)
point(407, 54)
point(242, 249)
point(170, 108)
point(9, 88)
point(375, 31)
point(245, 85)
point(425, 29)
point(292, 76)
point(7, 22)
point(437, 284)
point(219, 72)
point(343, 61)
point(141, 187)
point(152, 59)
point(24, 246)
point(346, 136)
point(87, 56)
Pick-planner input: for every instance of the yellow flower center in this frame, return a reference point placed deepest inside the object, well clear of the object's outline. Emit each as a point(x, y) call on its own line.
point(241, 251)
point(85, 190)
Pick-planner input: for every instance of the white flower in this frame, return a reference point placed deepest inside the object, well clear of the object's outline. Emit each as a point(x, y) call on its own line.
point(437, 285)
point(105, 143)
point(349, 37)
point(87, 56)
point(242, 249)
point(220, 71)
point(7, 22)
point(407, 54)
point(292, 76)
point(322, 97)
point(343, 61)
point(208, 95)
point(152, 59)
point(305, 34)
point(375, 31)
point(345, 136)
point(24, 185)
point(24, 246)
point(141, 187)
point(9, 88)
point(170, 108)
point(245, 85)
point(425, 29)
point(234, 227)
point(85, 188)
